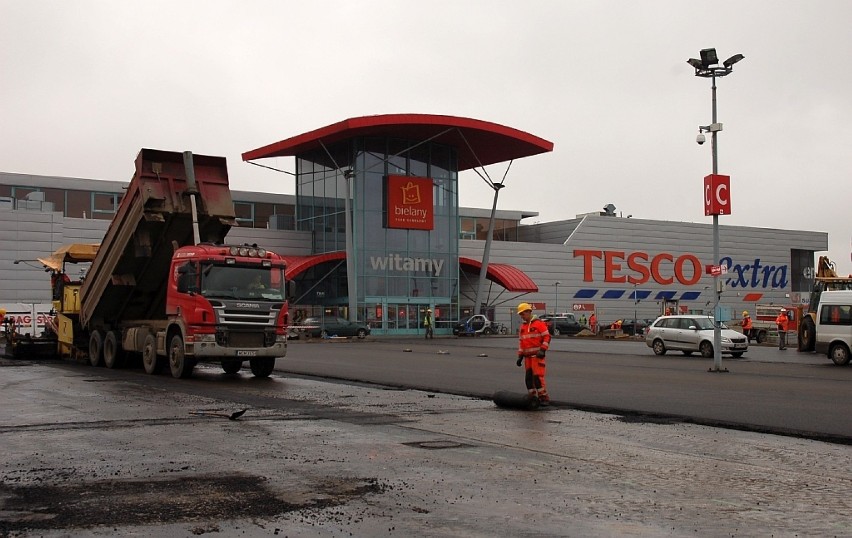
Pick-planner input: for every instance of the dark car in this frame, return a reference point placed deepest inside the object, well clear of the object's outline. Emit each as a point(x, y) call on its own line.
point(640, 325)
point(564, 324)
point(472, 326)
point(334, 326)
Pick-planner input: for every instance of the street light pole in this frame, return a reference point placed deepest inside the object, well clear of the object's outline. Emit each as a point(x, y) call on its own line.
point(556, 303)
point(708, 67)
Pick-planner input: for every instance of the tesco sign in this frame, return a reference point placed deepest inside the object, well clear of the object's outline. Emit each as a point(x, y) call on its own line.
point(640, 267)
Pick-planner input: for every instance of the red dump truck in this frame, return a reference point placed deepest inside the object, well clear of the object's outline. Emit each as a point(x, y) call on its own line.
point(164, 285)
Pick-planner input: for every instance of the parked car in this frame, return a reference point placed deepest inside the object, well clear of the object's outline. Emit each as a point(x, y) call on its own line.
point(564, 324)
point(689, 334)
point(473, 326)
point(334, 326)
point(640, 324)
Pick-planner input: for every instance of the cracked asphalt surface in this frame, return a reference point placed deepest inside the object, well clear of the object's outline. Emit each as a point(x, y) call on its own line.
point(96, 452)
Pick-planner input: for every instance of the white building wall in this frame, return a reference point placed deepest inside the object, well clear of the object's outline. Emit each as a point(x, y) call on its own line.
point(550, 262)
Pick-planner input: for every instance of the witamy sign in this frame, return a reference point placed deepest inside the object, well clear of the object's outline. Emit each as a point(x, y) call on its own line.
point(395, 262)
point(665, 269)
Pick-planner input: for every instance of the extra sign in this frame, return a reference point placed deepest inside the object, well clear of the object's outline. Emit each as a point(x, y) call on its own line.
point(717, 195)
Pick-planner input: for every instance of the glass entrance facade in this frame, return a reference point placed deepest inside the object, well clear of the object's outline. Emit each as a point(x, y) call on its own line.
point(400, 272)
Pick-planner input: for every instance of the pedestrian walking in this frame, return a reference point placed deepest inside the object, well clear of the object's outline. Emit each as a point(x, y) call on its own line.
point(429, 322)
point(783, 322)
point(533, 343)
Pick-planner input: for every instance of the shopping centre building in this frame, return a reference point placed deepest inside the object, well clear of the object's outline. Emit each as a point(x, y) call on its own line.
point(375, 232)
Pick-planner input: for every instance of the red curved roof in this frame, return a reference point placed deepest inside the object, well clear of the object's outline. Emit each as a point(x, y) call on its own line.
point(478, 143)
point(508, 276)
point(297, 265)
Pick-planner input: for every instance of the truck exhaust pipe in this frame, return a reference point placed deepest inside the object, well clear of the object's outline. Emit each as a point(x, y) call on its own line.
point(192, 191)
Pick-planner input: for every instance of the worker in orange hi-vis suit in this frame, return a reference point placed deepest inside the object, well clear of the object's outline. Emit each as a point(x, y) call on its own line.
point(782, 321)
point(533, 343)
point(747, 325)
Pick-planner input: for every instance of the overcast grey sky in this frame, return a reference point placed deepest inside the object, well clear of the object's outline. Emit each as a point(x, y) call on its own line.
point(85, 84)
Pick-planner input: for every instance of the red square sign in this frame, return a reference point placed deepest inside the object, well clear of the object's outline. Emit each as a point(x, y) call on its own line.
point(717, 195)
point(410, 203)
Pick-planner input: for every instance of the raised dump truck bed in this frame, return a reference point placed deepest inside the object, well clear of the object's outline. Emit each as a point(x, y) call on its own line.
point(127, 279)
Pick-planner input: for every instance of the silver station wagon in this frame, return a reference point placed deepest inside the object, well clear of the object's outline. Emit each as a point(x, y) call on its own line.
point(691, 334)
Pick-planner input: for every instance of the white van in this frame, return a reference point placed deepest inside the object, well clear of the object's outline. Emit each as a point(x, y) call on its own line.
point(834, 325)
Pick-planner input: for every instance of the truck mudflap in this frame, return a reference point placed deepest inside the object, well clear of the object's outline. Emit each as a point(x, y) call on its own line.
point(208, 350)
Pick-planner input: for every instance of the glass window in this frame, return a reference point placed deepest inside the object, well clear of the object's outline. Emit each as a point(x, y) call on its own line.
point(244, 212)
point(78, 204)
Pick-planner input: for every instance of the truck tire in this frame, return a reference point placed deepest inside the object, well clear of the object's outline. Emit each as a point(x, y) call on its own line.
point(181, 366)
point(262, 367)
point(150, 361)
point(761, 337)
point(232, 367)
point(807, 334)
point(96, 348)
point(113, 352)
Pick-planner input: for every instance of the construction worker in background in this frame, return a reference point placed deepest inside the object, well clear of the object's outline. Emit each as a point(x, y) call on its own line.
point(747, 325)
point(782, 321)
point(428, 322)
point(583, 320)
point(593, 323)
point(533, 343)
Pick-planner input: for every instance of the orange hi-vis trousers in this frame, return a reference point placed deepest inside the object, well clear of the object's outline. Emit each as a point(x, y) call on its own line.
point(535, 369)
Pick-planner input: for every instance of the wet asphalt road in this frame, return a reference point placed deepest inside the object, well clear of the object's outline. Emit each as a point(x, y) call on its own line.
point(91, 452)
point(768, 390)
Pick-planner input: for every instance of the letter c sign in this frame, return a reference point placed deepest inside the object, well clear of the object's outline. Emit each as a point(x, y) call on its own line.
point(717, 195)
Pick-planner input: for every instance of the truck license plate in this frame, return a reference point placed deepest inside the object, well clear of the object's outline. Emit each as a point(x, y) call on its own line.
point(246, 353)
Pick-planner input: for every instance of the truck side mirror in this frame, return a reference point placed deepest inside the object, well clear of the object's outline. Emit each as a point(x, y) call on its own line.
point(291, 290)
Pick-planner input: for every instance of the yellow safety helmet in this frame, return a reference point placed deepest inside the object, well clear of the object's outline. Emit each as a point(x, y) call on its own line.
point(523, 307)
point(745, 313)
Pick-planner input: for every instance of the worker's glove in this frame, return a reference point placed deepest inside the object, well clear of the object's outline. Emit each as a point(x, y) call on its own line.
point(540, 354)
point(520, 360)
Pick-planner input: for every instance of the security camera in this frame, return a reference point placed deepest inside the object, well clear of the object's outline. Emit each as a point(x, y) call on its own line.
point(700, 138)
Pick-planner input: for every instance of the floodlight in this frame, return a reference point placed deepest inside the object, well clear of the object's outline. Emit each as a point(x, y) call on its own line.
point(695, 62)
point(708, 57)
point(732, 60)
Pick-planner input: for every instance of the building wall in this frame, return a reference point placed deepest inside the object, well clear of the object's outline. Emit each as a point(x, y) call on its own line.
point(551, 261)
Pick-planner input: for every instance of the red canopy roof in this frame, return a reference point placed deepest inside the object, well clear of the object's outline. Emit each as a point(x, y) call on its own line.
point(508, 276)
point(478, 143)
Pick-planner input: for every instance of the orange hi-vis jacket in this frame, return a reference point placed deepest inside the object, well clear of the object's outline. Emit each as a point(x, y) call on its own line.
point(747, 323)
point(534, 337)
point(782, 321)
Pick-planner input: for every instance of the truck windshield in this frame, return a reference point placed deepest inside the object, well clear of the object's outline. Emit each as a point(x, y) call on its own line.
point(242, 282)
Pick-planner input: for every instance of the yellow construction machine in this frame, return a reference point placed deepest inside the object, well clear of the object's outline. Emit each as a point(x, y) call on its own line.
point(826, 279)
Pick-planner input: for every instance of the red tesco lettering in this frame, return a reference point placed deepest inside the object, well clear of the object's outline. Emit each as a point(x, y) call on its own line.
point(663, 268)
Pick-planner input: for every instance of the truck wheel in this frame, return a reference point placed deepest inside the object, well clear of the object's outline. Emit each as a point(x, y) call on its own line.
point(761, 337)
point(839, 354)
point(96, 348)
point(807, 334)
point(706, 349)
point(113, 352)
point(150, 361)
point(181, 366)
point(232, 367)
point(262, 367)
